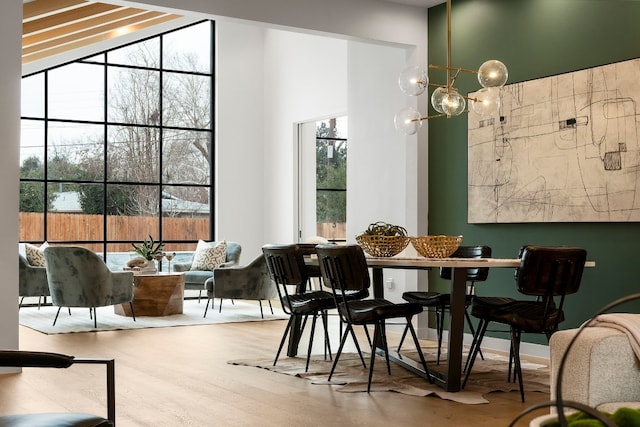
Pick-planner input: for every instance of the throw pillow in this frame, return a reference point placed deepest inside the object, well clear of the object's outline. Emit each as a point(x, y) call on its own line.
point(208, 257)
point(35, 255)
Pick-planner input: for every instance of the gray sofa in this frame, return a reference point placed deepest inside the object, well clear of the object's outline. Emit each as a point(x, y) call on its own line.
point(195, 279)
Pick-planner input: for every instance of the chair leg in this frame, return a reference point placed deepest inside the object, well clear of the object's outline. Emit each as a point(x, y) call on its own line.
point(475, 346)
point(56, 318)
point(270, 306)
point(404, 335)
point(313, 329)
point(347, 331)
point(417, 344)
point(327, 342)
point(22, 299)
point(220, 308)
point(515, 340)
point(439, 328)
point(206, 307)
point(383, 335)
point(95, 317)
point(377, 335)
point(473, 331)
point(133, 314)
point(261, 312)
point(284, 337)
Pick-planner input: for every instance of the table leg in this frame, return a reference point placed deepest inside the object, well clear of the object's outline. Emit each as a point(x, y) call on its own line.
point(456, 328)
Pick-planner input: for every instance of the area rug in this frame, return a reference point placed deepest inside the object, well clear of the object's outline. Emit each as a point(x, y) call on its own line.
point(42, 319)
point(489, 375)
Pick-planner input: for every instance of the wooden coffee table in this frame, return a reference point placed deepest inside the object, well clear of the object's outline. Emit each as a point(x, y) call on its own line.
point(160, 294)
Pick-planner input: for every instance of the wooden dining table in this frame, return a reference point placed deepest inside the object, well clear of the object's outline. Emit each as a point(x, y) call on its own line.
point(449, 378)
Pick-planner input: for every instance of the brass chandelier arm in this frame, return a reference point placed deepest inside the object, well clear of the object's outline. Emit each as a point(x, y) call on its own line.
point(435, 116)
point(464, 70)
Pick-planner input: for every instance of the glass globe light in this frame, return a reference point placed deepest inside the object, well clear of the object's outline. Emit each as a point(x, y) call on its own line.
point(413, 81)
point(453, 103)
point(492, 73)
point(436, 98)
point(488, 101)
point(408, 121)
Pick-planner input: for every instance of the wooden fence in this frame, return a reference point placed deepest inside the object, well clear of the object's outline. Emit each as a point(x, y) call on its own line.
point(81, 227)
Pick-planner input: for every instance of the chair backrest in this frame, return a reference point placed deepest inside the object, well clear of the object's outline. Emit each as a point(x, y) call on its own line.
point(473, 274)
point(286, 268)
point(344, 268)
point(233, 252)
point(78, 277)
point(548, 271)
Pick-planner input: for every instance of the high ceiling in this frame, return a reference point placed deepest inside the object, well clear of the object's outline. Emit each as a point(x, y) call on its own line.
point(51, 27)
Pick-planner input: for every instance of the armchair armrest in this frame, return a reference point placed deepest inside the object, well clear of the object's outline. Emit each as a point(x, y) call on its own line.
point(40, 359)
point(180, 267)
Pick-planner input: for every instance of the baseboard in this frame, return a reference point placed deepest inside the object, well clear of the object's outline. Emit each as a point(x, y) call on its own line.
point(492, 343)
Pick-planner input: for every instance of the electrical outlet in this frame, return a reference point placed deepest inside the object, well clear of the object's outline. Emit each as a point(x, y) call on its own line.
point(390, 283)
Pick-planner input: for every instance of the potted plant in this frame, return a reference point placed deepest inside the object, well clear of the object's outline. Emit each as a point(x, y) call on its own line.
point(149, 250)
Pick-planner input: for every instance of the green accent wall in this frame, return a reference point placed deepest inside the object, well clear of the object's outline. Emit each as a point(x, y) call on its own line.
point(534, 38)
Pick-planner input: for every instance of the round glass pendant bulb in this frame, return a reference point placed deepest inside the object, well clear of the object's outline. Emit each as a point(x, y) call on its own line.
point(437, 97)
point(488, 101)
point(408, 121)
point(493, 73)
point(453, 103)
point(413, 81)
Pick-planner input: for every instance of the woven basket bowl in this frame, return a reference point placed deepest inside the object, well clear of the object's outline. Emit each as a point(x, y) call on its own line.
point(382, 246)
point(436, 246)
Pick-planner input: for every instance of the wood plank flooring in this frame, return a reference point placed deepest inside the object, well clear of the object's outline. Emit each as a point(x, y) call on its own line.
point(180, 377)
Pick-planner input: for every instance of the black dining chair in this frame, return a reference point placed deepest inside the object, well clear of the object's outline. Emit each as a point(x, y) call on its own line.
point(441, 302)
point(345, 269)
point(287, 270)
point(40, 359)
point(548, 273)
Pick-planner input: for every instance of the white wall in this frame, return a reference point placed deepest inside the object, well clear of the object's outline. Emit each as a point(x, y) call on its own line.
point(240, 136)
point(306, 78)
point(10, 46)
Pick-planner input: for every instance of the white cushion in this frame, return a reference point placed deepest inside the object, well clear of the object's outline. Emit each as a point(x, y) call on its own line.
point(208, 257)
point(35, 255)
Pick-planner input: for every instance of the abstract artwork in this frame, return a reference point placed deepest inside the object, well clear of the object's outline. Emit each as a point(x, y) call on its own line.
point(560, 149)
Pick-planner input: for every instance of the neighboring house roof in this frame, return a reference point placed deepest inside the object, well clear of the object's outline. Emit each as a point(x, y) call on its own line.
point(69, 202)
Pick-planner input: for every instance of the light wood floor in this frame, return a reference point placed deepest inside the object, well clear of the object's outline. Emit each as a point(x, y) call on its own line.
point(180, 377)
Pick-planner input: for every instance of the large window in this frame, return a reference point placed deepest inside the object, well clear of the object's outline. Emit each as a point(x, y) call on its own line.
point(117, 146)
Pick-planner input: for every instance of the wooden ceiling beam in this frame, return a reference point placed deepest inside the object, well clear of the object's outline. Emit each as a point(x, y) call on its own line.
point(39, 8)
point(111, 27)
point(64, 18)
point(78, 27)
point(41, 54)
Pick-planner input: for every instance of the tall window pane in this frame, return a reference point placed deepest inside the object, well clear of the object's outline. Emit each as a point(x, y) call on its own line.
point(188, 49)
point(33, 96)
point(133, 96)
point(76, 92)
point(75, 151)
point(186, 101)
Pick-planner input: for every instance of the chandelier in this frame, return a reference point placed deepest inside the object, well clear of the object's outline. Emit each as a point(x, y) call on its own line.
point(445, 99)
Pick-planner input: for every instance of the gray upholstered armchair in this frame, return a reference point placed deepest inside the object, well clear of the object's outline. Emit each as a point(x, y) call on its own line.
point(78, 277)
point(249, 282)
point(32, 280)
point(194, 279)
